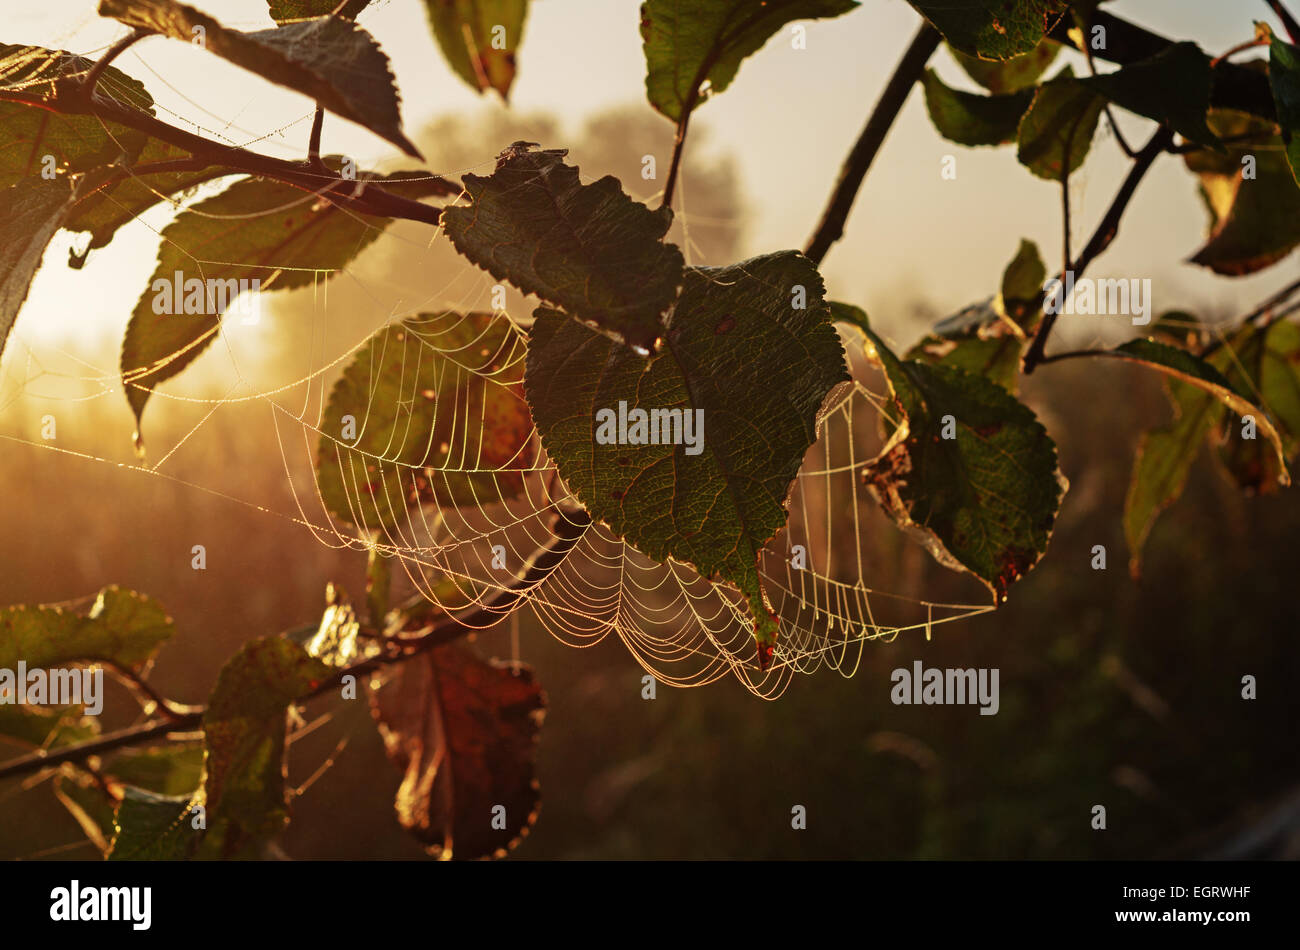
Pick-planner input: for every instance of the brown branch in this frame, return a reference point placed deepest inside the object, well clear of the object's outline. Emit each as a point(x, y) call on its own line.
point(87, 88)
point(569, 528)
point(1101, 238)
point(1289, 21)
point(372, 200)
point(858, 162)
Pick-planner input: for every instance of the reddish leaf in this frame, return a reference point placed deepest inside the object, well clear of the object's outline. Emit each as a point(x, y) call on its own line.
point(463, 732)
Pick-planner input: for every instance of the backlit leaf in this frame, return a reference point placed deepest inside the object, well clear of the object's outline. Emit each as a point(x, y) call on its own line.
point(440, 416)
point(480, 39)
point(463, 732)
point(589, 249)
point(121, 627)
point(255, 230)
point(693, 48)
point(1056, 133)
point(1019, 72)
point(1284, 77)
point(328, 59)
point(1254, 221)
point(993, 29)
point(969, 119)
point(739, 355)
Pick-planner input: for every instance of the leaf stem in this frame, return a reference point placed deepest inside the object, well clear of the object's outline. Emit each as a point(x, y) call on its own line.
point(858, 162)
point(87, 87)
point(1101, 238)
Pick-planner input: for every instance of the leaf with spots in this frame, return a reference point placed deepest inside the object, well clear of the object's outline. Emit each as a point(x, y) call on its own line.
point(694, 48)
point(328, 59)
point(463, 732)
point(437, 414)
point(589, 249)
point(993, 29)
point(480, 39)
point(1019, 72)
point(743, 370)
point(968, 470)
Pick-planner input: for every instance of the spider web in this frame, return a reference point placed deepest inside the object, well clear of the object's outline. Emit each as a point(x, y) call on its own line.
point(467, 558)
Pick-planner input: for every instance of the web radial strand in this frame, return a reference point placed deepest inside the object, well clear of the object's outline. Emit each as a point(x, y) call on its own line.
point(679, 626)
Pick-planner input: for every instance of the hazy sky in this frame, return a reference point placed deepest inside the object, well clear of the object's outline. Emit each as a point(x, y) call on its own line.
point(789, 119)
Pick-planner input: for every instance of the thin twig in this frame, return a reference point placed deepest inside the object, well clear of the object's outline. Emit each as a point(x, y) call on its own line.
point(859, 160)
point(1267, 310)
point(1101, 238)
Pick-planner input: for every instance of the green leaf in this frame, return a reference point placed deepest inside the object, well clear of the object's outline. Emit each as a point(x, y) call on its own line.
point(175, 769)
point(30, 135)
point(244, 742)
point(984, 500)
point(328, 59)
point(993, 29)
point(1023, 279)
point(689, 43)
point(122, 627)
point(969, 119)
point(153, 827)
point(738, 354)
point(1266, 364)
point(1191, 369)
point(589, 249)
point(31, 213)
point(463, 732)
point(286, 11)
point(439, 416)
point(1163, 460)
point(1172, 87)
point(1254, 221)
point(1284, 77)
point(480, 39)
point(1056, 133)
point(1019, 72)
point(255, 230)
